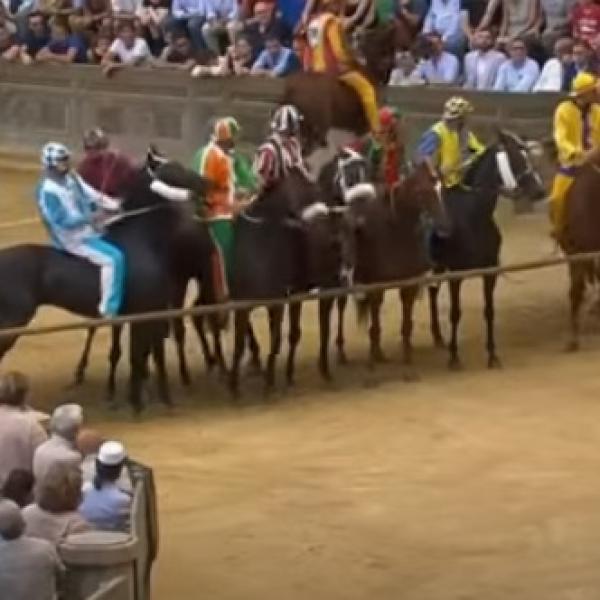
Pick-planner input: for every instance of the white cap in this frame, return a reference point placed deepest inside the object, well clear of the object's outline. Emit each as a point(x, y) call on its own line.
point(111, 454)
point(66, 419)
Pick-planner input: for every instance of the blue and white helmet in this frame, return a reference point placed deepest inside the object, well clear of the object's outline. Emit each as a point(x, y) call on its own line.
point(53, 153)
point(286, 119)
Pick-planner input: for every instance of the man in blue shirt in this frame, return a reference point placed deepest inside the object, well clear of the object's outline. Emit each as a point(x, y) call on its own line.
point(519, 73)
point(63, 47)
point(275, 60)
point(439, 66)
point(36, 35)
point(444, 16)
point(221, 18)
point(190, 16)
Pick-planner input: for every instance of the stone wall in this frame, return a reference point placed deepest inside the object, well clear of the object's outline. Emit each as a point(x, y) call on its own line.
point(40, 103)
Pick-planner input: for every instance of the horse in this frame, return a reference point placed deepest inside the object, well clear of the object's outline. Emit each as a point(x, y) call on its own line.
point(41, 275)
point(474, 239)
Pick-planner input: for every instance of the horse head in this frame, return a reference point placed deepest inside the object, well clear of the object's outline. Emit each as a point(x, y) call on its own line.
point(376, 48)
point(350, 178)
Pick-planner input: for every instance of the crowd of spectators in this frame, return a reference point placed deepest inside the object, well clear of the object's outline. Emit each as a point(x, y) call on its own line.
point(52, 485)
point(503, 45)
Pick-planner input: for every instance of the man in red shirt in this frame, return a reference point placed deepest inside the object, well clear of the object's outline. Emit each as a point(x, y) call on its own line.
point(585, 17)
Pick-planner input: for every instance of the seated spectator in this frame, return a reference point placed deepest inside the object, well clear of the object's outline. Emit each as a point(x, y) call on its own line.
point(128, 50)
point(275, 60)
point(519, 73)
point(65, 424)
point(444, 18)
point(10, 51)
point(179, 54)
point(100, 47)
point(585, 20)
point(30, 569)
point(104, 504)
point(554, 73)
point(483, 62)
point(188, 15)
point(20, 433)
point(221, 21)
point(520, 18)
point(36, 36)
point(153, 16)
point(439, 66)
point(54, 515)
point(63, 47)
point(18, 487)
point(88, 19)
point(405, 72)
point(265, 23)
point(555, 14)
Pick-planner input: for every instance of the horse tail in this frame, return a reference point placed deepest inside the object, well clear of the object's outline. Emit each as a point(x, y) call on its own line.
point(362, 308)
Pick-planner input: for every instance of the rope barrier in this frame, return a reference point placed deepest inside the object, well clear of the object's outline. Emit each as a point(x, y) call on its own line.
point(304, 297)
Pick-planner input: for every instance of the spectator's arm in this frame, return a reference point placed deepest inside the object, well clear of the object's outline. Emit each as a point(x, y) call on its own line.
point(307, 13)
point(177, 9)
point(283, 64)
point(260, 64)
point(428, 22)
point(232, 10)
point(500, 85)
point(11, 54)
point(210, 10)
point(488, 16)
point(454, 27)
point(536, 18)
point(428, 146)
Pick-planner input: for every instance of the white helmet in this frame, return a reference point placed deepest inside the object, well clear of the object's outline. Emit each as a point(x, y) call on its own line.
point(53, 153)
point(286, 119)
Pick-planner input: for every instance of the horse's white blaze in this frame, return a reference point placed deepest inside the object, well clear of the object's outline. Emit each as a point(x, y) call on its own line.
point(508, 177)
point(360, 190)
point(315, 210)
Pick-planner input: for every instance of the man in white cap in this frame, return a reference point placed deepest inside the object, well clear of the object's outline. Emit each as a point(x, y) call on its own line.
point(104, 504)
point(30, 568)
point(65, 423)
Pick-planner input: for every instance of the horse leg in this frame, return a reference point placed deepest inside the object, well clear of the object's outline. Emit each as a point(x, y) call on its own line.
point(275, 320)
point(576, 293)
point(241, 320)
point(325, 306)
point(254, 350)
point(489, 284)
point(340, 342)
point(85, 356)
point(139, 348)
point(455, 314)
point(114, 356)
point(294, 334)
point(162, 377)
point(408, 296)
point(209, 358)
point(436, 332)
point(376, 353)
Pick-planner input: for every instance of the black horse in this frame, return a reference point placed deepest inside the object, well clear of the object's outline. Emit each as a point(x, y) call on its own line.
point(35, 275)
point(474, 239)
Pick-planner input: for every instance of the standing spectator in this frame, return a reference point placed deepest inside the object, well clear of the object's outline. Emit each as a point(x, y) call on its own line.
point(519, 73)
point(65, 423)
point(404, 72)
point(473, 13)
point(275, 60)
point(585, 19)
point(29, 568)
point(20, 433)
point(54, 515)
point(18, 487)
point(189, 15)
point(221, 20)
point(105, 505)
point(439, 65)
point(520, 18)
point(555, 14)
point(554, 74)
point(63, 47)
point(153, 16)
point(179, 54)
point(10, 51)
point(444, 18)
point(36, 37)
point(128, 50)
point(265, 23)
point(88, 19)
point(483, 62)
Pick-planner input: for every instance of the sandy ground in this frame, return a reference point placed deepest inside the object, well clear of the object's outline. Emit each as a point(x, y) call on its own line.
point(466, 485)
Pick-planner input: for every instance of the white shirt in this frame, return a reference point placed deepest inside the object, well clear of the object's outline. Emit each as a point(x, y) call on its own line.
point(129, 56)
point(126, 6)
point(551, 78)
point(55, 450)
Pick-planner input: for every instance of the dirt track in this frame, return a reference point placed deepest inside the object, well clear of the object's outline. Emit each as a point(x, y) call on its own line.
point(476, 485)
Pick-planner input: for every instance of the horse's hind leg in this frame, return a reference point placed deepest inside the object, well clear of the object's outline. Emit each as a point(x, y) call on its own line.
point(114, 357)
point(408, 296)
point(325, 306)
point(455, 314)
point(577, 272)
point(241, 320)
point(275, 320)
point(375, 353)
point(489, 285)
point(436, 332)
point(295, 311)
point(340, 342)
point(254, 350)
point(178, 326)
point(162, 377)
point(139, 349)
point(82, 365)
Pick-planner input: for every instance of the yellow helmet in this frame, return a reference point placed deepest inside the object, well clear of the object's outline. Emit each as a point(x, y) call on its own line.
point(582, 84)
point(457, 107)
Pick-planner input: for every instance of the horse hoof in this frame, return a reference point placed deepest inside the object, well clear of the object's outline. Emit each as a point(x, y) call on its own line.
point(186, 380)
point(410, 376)
point(454, 364)
point(254, 368)
point(342, 359)
point(378, 357)
point(438, 342)
point(572, 346)
point(494, 363)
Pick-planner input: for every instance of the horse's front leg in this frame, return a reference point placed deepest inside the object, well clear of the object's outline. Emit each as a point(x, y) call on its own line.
point(241, 320)
point(178, 301)
point(85, 356)
point(139, 350)
point(325, 306)
point(455, 314)
point(294, 334)
point(254, 348)
point(408, 296)
point(275, 320)
point(114, 357)
point(434, 315)
point(340, 342)
point(489, 285)
point(162, 376)
point(375, 353)
point(577, 272)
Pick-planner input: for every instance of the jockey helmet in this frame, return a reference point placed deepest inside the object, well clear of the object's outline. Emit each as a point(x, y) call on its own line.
point(457, 107)
point(226, 129)
point(388, 117)
point(54, 153)
point(286, 119)
point(582, 84)
point(95, 139)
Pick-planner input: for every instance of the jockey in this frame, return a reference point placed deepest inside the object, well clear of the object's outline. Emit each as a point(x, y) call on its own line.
point(330, 53)
point(449, 145)
point(67, 205)
point(282, 150)
point(215, 162)
point(577, 136)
